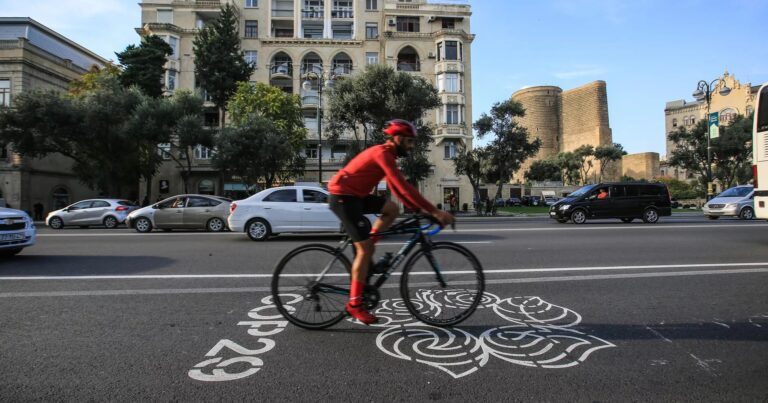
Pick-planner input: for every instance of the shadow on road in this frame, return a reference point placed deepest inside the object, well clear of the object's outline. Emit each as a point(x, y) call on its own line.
point(52, 265)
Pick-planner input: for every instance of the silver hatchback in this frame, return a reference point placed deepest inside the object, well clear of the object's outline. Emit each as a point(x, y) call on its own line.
point(182, 212)
point(107, 212)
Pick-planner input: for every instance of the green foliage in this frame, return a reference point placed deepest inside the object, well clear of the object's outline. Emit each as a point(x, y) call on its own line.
point(143, 64)
point(584, 154)
point(690, 152)
point(241, 153)
point(272, 103)
point(367, 100)
point(473, 164)
point(606, 154)
point(569, 164)
point(544, 170)
point(510, 146)
point(91, 127)
point(679, 189)
point(95, 78)
point(219, 61)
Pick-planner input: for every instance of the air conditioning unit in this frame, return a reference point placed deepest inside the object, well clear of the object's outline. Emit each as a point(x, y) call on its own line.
point(432, 18)
point(431, 55)
point(173, 65)
point(392, 22)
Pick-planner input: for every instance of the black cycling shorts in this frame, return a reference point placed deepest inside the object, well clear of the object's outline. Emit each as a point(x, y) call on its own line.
point(351, 210)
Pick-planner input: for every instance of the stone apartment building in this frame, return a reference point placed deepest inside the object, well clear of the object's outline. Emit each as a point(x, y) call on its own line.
point(34, 57)
point(682, 113)
point(287, 40)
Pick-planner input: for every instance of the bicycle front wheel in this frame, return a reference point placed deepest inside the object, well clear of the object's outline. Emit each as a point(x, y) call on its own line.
point(442, 284)
point(310, 286)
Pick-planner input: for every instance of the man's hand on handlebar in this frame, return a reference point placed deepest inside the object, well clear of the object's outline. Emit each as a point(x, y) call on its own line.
point(444, 217)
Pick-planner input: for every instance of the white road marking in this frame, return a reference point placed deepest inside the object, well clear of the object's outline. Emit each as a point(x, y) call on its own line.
point(659, 335)
point(391, 285)
point(493, 271)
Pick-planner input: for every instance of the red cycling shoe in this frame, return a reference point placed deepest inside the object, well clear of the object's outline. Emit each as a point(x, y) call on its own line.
point(358, 312)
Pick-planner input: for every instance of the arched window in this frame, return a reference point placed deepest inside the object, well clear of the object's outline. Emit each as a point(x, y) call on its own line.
point(408, 60)
point(674, 122)
point(342, 64)
point(312, 63)
point(685, 121)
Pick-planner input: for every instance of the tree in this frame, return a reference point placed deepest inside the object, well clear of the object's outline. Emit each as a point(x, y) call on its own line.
point(690, 152)
point(474, 165)
point(569, 165)
point(219, 61)
point(272, 103)
point(606, 154)
point(366, 101)
point(89, 127)
point(93, 79)
point(679, 189)
point(143, 64)
point(731, 152)
point(544, 170)
point(584, 154)
point(241, 153)
point(510, 146)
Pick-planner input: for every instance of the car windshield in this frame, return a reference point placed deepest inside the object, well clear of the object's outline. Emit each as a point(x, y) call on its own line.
point(582, 191)
point(736, 192)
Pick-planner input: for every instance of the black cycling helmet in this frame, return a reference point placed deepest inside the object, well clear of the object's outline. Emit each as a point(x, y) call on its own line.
point(400, 127)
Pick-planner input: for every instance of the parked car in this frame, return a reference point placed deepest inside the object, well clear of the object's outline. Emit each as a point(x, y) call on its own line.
point(535, 201)
point(626, 201)
point(284, 209)
point(514, 202)
point(107, 212)
point(17, 231)
point(735, 202)
point(190, 211)
point(548, 197)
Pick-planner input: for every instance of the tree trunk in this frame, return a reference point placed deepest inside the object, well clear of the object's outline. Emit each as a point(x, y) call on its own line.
point(221, 117)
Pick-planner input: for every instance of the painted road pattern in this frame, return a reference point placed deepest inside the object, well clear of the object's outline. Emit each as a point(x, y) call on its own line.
point(603, 311)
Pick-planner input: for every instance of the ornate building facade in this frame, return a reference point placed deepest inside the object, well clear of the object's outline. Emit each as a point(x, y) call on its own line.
point(34, 57)
point(288, 40)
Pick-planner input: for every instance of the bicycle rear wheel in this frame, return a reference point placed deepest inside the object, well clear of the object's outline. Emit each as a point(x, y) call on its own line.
point(305, 298)
point(443, 284)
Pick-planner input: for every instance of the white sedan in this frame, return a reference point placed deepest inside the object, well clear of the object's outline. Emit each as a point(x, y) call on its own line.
point(284, 209)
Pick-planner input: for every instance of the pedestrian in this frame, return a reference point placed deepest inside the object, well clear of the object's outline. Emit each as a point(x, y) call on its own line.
point(38, 211)
point(453, 203)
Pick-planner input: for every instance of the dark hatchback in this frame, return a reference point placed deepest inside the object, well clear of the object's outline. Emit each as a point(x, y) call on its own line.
point(625, 201)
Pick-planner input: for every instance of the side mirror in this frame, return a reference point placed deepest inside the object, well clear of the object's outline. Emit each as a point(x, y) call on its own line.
point(156, 206)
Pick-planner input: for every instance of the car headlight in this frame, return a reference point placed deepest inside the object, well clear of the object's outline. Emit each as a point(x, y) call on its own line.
point(565, 207)
point(29, 222)
point(731, 205)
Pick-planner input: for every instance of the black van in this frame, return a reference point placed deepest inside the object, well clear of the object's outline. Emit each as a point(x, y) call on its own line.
point(626, 201)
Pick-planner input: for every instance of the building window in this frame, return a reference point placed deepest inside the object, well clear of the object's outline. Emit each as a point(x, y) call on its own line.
point(251, 29)
point(171, 77)
point(371, 5)
point(173, 42)
point(749, 110)
point(451, 50)
point(371, 30)
point(251, 3)
point(674, 122)
point(693, 120)
point(448, 82)
point(685, 121)
point(408, 24)
point(165, 16)
point(164, 150)
point(450, 149)
point(251, 57)
point(452, 114)
point(449, 23)
point(313, 30)
point(203, 153)
point(5, 92)
point(342, 31)
point(371, 58)
point(311, 152)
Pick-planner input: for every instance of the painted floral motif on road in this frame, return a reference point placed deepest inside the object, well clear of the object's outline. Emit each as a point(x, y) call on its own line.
point(536, 334)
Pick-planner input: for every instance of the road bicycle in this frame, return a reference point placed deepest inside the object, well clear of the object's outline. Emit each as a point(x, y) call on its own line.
point(441, 283)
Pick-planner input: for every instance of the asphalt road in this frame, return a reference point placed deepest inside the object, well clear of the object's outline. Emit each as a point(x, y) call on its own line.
point(606, 311)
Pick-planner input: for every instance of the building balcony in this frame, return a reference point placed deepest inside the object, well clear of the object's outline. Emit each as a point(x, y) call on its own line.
point(342, 12)
point(310, 101)
point(281, 70)
point(449, 66)
point(452, 98)
point(283, 14)
point(342, 69)
point(447, 130)
point(307, 68)
point(312, 14)
point(408, 65)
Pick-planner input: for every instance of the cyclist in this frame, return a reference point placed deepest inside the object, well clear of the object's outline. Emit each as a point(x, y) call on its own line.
point(351, 199)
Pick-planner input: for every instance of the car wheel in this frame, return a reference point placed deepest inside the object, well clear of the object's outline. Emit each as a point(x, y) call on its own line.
point(215, 224)
point(747, 213)
point(713, 217)
point(257, 229)
point(143, 225)
point(579, 216)
point(627, 220)
point(650, 216)
point(56, 223)
point(110, 222)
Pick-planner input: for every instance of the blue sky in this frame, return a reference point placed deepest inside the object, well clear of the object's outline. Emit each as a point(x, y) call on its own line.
point(647, 51)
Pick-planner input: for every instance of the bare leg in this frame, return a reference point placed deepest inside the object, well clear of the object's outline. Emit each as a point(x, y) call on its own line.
point(388, 215)
point(364, 252)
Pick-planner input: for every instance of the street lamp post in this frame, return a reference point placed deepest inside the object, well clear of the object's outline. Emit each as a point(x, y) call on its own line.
point(704, 93)
point(322, 81)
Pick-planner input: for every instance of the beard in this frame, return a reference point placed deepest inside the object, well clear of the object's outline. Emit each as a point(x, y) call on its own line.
point(401, 151)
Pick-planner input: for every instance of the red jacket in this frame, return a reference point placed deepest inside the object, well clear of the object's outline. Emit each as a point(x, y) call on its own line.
point(366, 170)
